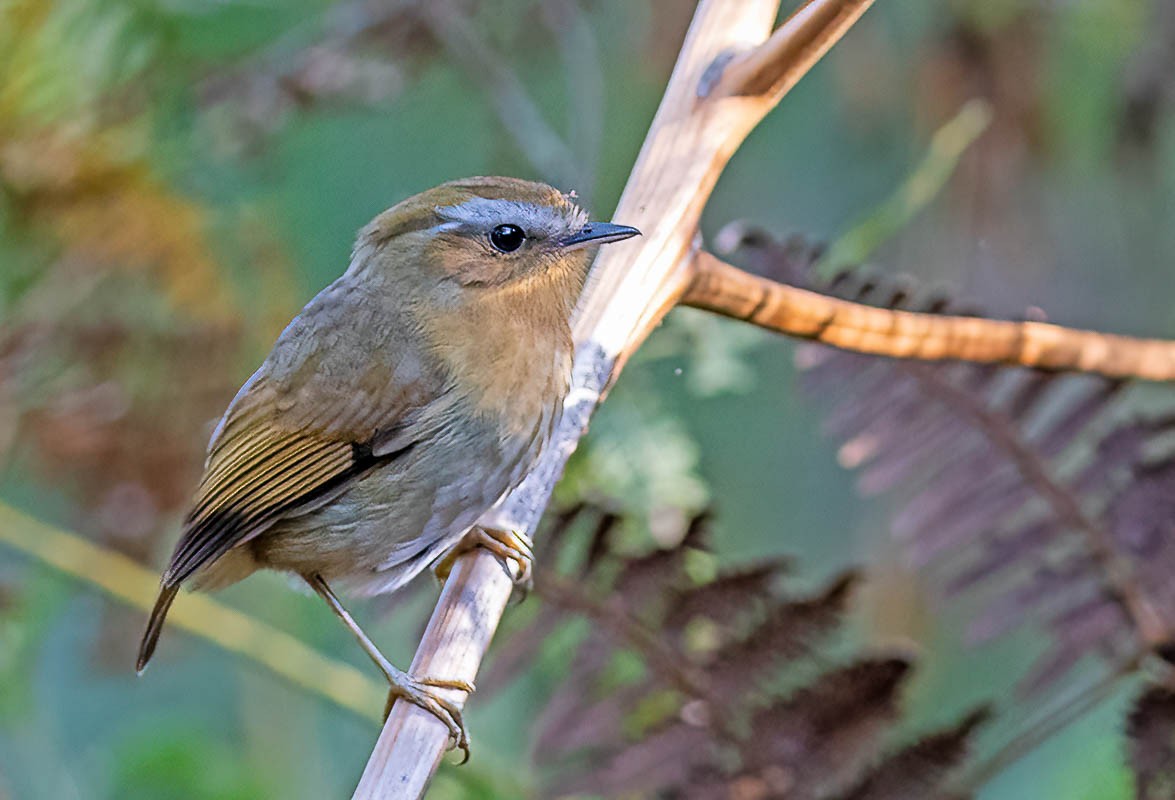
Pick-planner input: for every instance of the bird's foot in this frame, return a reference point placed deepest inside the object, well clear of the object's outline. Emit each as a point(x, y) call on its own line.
point(509, 546)
point(420, 692)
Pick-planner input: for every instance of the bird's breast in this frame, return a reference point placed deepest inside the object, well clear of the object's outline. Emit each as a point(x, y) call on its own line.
point(508, 370)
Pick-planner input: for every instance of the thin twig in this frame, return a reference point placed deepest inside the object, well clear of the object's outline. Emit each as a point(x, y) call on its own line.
point(804, 314)
point(584, 90)
point(123, 579)
point(343, 27)
point(920, 187)
point(517, 113)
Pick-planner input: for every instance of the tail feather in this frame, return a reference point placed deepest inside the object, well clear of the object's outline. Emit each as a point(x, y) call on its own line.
point(167, 594)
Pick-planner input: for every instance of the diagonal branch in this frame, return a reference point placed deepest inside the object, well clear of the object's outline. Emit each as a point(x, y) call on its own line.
point(717, 286)
point(691, 139)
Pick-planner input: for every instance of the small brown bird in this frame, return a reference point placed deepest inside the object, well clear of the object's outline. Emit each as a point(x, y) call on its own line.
point(405, 399)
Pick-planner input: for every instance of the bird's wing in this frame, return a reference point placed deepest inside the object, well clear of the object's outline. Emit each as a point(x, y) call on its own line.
point(333, 400)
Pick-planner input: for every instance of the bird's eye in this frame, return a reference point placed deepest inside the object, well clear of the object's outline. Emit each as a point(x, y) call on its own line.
point(507, 238)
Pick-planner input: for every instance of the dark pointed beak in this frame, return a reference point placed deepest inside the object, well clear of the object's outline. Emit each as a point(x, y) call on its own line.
point(598, 233)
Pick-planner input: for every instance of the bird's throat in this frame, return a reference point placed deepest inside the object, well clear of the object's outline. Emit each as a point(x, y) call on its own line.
point(510, 364)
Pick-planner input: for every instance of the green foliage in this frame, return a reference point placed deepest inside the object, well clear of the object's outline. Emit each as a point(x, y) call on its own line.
point(1090, 50)
point(179, 764)
point(642, 461)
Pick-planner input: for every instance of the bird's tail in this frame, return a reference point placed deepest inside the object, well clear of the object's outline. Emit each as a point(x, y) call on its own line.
point(155, 625)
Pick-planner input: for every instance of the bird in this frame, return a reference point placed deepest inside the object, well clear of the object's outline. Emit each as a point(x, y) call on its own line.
point(396, 408)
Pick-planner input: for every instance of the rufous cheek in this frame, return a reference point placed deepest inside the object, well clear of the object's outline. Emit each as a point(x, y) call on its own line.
point(468, 262)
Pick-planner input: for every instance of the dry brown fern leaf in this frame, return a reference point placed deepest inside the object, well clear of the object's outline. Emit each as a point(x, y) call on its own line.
point(716, 687)
point(1040, 493)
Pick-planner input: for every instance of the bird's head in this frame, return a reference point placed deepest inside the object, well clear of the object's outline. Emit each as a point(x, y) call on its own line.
point(469, 240)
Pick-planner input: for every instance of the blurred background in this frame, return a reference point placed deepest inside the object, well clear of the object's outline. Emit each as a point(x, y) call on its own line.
point(177, 177)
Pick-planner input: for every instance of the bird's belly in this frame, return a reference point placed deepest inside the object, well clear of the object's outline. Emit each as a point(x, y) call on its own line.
point(399, 518)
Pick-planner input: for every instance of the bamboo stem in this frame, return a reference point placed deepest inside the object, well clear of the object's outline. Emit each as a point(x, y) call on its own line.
point(723, 289)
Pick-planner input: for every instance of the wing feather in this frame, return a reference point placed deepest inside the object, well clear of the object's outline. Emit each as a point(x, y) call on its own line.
point(309, 421)
point(272, 481)
point(267, 473)
point(344, 390)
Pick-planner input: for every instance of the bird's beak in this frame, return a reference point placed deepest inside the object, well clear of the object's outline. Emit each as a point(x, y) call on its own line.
point(597, 233)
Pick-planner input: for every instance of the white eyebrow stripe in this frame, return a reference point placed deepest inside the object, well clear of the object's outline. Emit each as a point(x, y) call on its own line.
point(482, 213)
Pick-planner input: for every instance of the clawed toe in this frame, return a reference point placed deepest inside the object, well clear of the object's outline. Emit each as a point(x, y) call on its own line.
point(512, 547)
point(418, 692)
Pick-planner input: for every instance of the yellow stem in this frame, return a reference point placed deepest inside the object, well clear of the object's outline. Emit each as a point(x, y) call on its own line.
point(123, 579)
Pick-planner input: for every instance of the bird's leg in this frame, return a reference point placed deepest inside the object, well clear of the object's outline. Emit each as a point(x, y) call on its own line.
point(507, 545)
point(414, 690)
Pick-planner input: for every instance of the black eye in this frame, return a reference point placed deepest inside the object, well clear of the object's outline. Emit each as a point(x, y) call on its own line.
point(507, 238)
